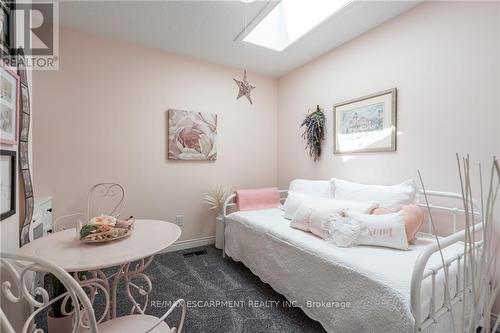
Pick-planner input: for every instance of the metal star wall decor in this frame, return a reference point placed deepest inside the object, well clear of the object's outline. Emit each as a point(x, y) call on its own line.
point(245, 87)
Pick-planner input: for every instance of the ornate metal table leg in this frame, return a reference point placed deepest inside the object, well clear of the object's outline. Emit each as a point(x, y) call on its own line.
point(131, 273)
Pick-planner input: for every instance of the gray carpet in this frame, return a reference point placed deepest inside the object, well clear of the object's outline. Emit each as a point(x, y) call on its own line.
point(199, 279)
point(241, 302)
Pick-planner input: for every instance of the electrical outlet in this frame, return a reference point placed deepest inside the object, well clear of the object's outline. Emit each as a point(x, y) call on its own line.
point(179, 220)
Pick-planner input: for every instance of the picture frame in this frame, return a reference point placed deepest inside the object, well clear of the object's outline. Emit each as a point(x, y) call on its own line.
point(25, 127)
point(21, 66)
point(366, 124)
point(9, 105)
point(23, 156)
point(192, 136)
point(8, 183)
point(28, 187)
point(5, 18)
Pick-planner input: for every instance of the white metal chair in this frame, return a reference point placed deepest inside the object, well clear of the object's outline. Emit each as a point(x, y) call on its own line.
point(105, 198)
point(20, 269)
point(68, 221)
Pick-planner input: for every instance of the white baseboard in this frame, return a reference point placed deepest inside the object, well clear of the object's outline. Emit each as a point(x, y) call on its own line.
point(190, 243)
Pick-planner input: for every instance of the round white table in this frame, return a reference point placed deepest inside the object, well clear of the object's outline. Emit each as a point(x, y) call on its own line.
point(132, 255)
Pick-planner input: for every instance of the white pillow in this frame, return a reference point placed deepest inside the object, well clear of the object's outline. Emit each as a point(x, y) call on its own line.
point(312, 188)
point(392, 197)
point(382, 230)
point(302, 217)
point(292, 203)
point(294, 200)
point(328, 211)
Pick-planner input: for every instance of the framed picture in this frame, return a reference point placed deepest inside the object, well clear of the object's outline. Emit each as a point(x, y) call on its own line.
point(28, 188)
point(25, 127)
point(21, 66)
point(8, 183)
point(9, 105)
point(25, 99)
point(23, 155)
point(192, 136)
point(366, 124)
point(4, 27)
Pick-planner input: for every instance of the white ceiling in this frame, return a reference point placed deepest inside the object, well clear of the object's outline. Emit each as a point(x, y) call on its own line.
point(207, 30)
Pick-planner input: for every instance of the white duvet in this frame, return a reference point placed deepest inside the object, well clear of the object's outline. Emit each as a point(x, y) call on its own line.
point(322, 279)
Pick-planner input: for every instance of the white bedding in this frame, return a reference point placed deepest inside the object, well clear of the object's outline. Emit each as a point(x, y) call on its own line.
point(304, 268)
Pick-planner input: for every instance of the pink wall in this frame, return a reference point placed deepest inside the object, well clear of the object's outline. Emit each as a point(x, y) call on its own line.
point(444, 59)
point(102, 117)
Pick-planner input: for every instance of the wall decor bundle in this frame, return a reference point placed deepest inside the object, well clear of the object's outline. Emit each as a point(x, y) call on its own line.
point(314, 132)
point(365, 124)
point(24, 164)
point(192, 136)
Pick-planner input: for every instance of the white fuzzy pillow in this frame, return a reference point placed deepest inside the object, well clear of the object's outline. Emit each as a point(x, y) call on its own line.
point(393, 197)
point(344, 231)
point(381, 230)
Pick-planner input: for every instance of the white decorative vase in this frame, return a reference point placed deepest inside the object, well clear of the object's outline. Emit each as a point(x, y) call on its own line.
point(219, 231)
point(59, 325)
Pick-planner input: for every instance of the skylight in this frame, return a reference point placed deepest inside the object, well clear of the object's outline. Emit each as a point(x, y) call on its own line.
point(290, 20)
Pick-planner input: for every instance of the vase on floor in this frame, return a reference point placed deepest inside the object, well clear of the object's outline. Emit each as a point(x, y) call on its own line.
point(59, 325)
point(219, 231)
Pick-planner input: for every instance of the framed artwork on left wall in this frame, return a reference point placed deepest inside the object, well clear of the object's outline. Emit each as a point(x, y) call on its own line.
point(7, 183)
point(192, 136)
point(9, 106)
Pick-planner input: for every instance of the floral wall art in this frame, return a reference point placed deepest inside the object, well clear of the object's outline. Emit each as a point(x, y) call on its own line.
point(192, 136)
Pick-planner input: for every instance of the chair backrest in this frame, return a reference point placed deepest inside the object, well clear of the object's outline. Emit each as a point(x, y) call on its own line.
point(105, 198)
point(18, 287)
point(68, 221)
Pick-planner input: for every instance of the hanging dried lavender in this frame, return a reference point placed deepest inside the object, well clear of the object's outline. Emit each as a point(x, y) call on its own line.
point(314, 132)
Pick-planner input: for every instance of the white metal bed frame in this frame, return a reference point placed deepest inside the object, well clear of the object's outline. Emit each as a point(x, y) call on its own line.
point(420, 273)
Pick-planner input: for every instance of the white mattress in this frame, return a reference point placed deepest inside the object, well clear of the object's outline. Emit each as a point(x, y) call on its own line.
point(376, 281)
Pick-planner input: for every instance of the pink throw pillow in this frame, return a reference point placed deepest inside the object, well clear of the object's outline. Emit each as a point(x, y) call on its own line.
point(414, 218)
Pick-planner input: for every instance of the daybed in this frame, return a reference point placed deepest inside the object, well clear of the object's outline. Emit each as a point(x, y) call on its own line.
point(355, 289)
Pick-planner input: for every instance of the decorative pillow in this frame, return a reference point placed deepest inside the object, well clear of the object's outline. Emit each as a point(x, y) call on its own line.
point(344, 231)
point(302, 217)
point(414, 218)
point(294, 200)
point(317, 215)
point(393, 197)
point(386, 230)
point(292, 203)
point(312, 188)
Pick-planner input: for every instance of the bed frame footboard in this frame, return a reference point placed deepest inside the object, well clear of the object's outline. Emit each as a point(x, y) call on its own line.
point(421, 272)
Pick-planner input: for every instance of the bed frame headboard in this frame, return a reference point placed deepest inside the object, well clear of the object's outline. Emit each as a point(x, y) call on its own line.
point(230, 203)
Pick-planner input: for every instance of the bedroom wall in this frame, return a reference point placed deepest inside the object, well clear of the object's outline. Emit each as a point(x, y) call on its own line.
point(444, 59)
point(102, 117)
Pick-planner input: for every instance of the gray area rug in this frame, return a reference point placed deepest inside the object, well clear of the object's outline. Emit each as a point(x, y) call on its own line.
point(223, 296)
